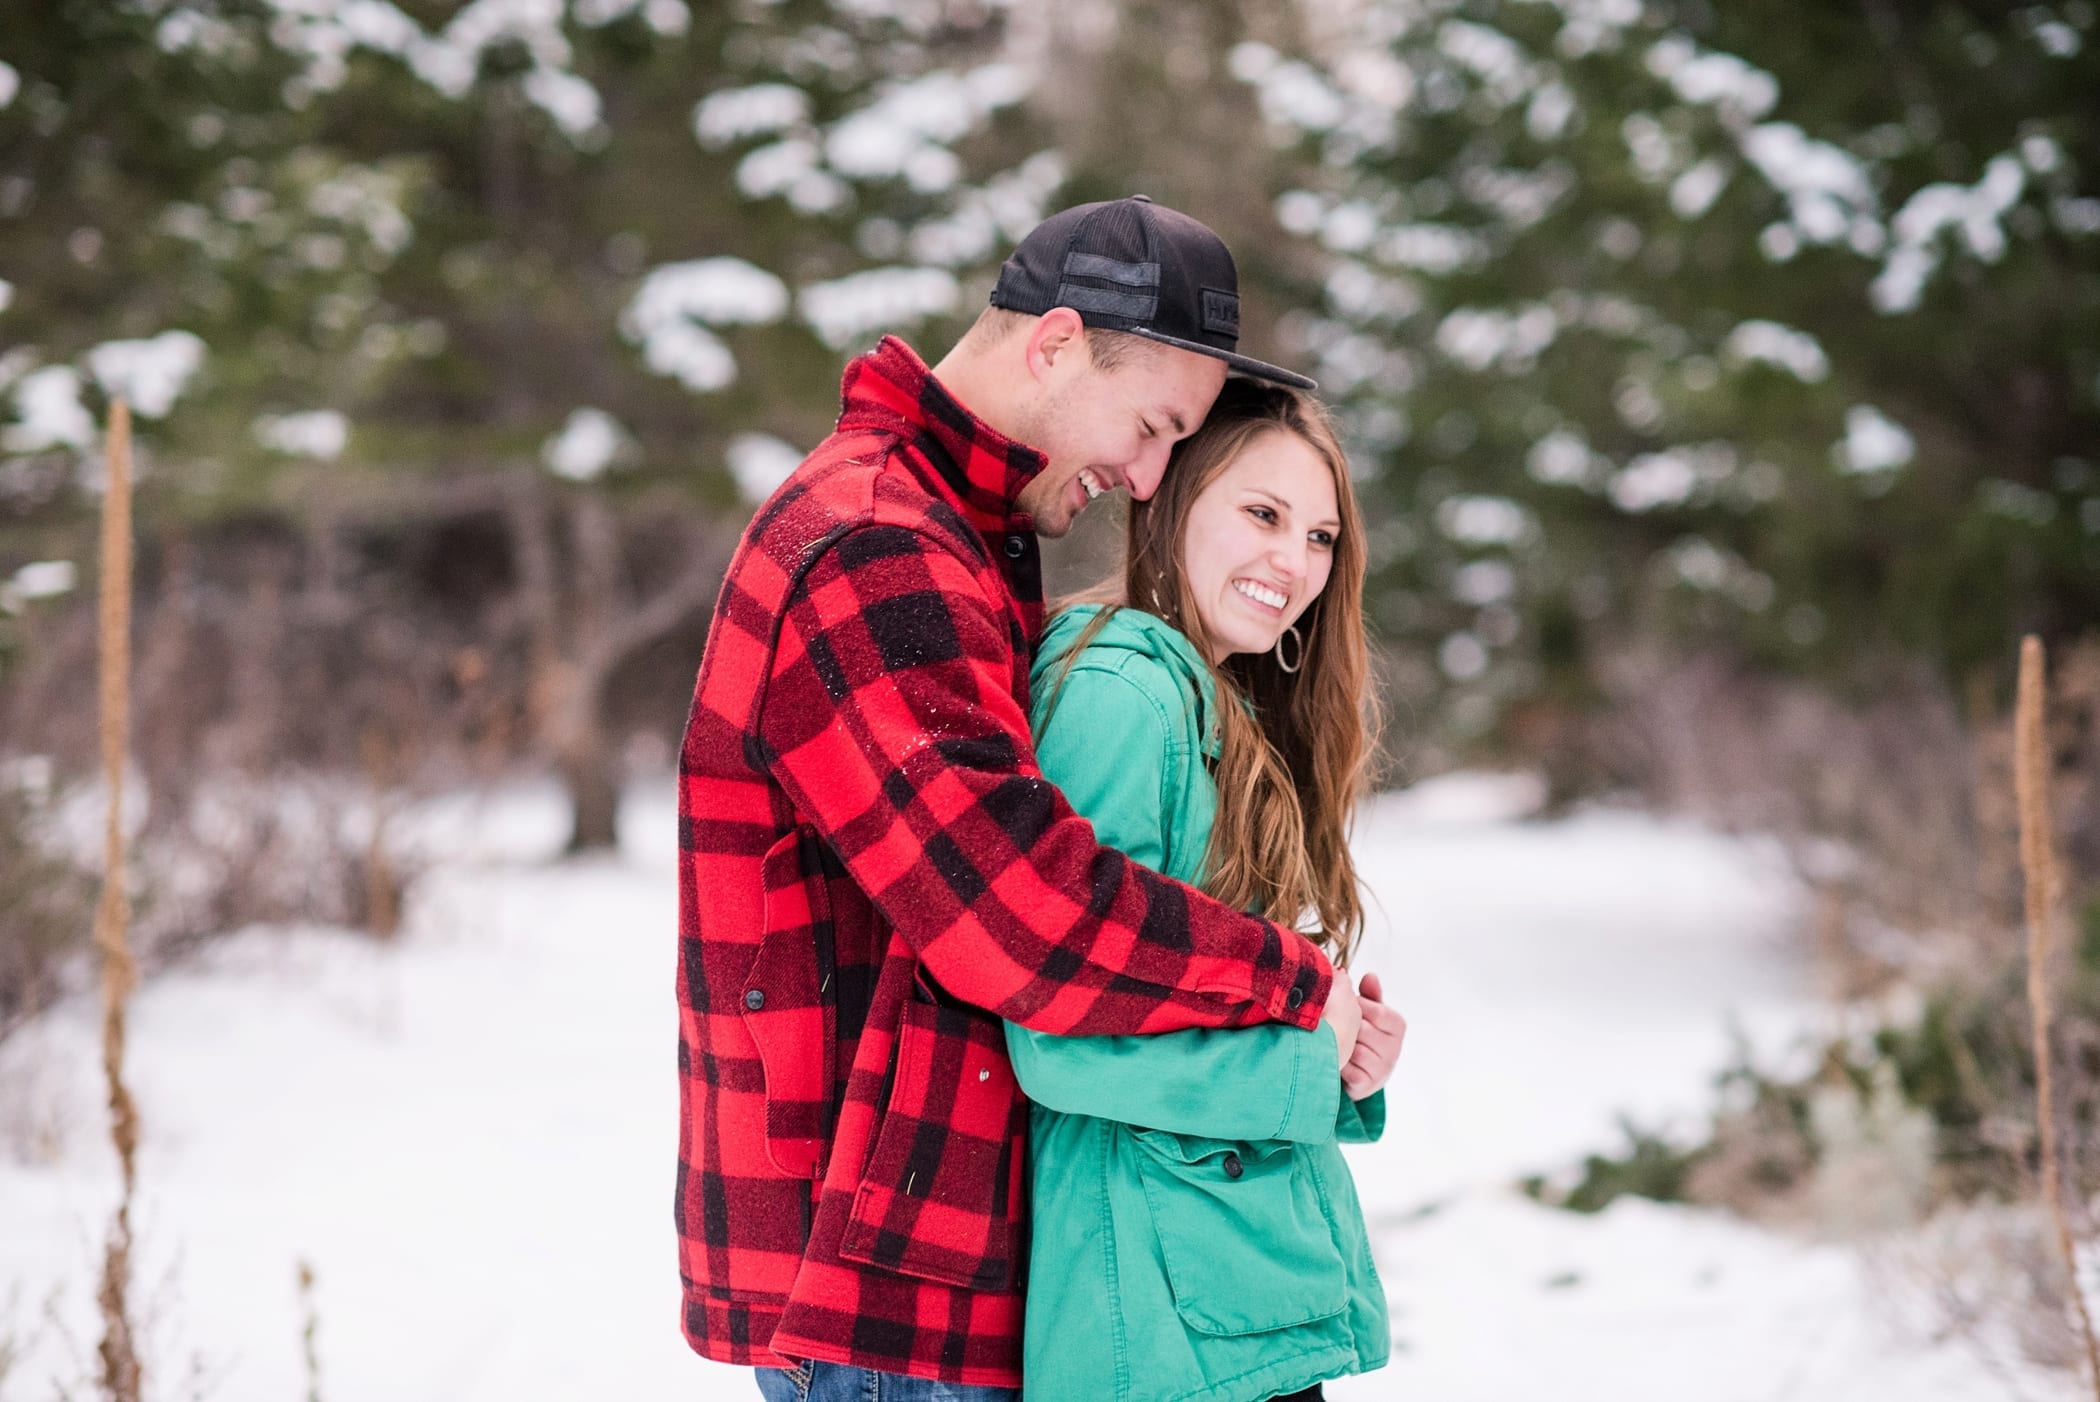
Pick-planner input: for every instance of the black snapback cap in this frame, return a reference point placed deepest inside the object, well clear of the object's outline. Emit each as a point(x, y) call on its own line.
point(1134, 266)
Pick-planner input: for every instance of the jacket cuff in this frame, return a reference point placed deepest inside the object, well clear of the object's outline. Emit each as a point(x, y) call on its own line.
point(1361, 1121)
point(1316, 1089)
point(1299, 994)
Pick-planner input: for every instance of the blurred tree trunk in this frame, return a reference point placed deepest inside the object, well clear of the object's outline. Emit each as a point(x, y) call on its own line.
point(582, 633)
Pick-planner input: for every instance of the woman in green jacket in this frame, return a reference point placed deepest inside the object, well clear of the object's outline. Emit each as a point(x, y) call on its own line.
point(1196, 1234)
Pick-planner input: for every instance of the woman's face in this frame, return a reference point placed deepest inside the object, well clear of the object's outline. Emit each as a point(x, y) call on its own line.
point(1260, 542)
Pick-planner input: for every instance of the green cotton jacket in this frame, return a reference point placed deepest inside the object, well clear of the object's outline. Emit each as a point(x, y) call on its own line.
point(1196, 1233)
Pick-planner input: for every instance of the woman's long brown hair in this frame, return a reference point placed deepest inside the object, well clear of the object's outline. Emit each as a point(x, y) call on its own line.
point(1291, 771)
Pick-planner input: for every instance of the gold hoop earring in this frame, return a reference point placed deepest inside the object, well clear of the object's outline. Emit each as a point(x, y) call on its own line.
point(1297, 646)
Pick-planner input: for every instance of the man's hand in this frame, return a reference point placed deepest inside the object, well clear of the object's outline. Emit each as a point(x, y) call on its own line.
point(1370, 1063)
point(1344, 1014)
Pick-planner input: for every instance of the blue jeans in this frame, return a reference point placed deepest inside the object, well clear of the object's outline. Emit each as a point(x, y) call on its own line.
point(819, 1381)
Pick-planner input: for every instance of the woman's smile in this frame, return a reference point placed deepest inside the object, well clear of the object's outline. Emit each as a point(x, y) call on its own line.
point(1260, 543)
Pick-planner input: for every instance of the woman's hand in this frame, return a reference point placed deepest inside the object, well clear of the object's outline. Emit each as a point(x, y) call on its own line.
point(1370, 1063)
point(1344, 1014)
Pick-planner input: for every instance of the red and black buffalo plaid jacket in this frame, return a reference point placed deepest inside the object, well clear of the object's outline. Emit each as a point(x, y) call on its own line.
point(867, 846)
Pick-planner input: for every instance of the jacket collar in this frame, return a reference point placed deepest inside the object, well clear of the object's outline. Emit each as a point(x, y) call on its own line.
point(1134, 630)
point(980, 470)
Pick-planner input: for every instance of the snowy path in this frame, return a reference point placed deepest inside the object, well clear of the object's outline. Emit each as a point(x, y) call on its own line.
point(470, 1136)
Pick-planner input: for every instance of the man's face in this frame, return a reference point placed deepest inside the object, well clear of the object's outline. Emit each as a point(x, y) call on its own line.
point(1104, 429)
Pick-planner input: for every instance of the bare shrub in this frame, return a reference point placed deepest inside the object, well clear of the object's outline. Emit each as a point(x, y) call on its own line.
point(1899, 808)
point(46, 901)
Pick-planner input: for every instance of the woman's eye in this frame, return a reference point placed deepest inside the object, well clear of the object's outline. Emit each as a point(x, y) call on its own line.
point(1323, 539)
point(1262, 514)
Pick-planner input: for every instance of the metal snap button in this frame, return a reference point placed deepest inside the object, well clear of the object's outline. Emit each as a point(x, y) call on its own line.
point(1294, 998)
point(984, 1073)
point(1015, 547)
point(755, 999)
point(1233, 1167)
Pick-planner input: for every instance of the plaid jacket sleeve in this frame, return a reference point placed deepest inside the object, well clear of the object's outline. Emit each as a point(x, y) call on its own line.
point(890, 719)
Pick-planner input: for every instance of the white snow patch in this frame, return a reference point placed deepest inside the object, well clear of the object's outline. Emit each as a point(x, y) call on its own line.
point(736, 114)
point(308, 1095)
point(44, 579)
point(718, 291)
point(985, 217)
point(1462, 657)
point(1292, 95)
point(791, 168)
point(571, 101)
point(589, 443)
point(1437, 249)
point(1482, 520)
point(1564, 458)
point(1827, 189)
point(1550, 110)
point(665, 17)
point(1483, 582)
point(1975, 211)
point(846, 309)
point(1722, 81)
point(1873, 441)
point(760, 463)
point(10, 84)
point(1671, 476)
point(368, 200)
point(1513, 340)
point(151, 373)
point(324, 33)
point(7, 294)
point(1694, 192)
point(1652, 480)
point(907, 129)
point(1491, 56)
point(318, 433)
point(670, 313)
point(1770, 343)
point(48, 412)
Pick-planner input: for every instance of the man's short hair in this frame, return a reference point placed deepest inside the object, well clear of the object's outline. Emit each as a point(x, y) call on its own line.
point(1111, 350)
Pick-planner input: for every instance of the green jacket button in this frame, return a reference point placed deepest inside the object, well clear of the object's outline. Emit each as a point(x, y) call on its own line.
point(1233, 1167)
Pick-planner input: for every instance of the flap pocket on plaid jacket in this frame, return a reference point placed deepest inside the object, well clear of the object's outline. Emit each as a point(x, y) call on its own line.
point(943, 1195)
point(787, 1004)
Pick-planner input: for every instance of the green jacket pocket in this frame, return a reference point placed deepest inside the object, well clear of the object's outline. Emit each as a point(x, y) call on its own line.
point(1245, 1230)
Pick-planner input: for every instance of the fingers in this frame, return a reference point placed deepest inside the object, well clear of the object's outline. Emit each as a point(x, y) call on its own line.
point(1371, 990)
point(1385, 1018)
point(1356, 1082)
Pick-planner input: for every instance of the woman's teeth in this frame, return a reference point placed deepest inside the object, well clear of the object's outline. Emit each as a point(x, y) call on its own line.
point(1261, 594)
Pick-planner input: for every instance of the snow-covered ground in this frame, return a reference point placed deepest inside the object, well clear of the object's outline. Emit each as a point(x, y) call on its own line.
point(469, 1135)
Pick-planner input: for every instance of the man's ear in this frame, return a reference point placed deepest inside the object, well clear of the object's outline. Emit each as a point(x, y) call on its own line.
point(1057, 344)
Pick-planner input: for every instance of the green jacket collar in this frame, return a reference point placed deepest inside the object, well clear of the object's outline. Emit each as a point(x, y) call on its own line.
point(1134, 630)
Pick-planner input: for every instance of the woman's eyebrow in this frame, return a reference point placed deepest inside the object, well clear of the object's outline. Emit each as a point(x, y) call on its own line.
point(1285, 503)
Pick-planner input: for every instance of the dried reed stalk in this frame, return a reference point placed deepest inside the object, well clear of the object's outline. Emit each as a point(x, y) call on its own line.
point(2031, 766)
point(119, 1353)
point(309, 1334)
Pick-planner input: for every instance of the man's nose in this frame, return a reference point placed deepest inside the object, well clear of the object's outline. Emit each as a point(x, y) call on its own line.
point(1144, 476)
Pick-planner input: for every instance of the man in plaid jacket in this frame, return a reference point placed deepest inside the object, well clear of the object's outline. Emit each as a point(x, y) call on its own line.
point(873, 869)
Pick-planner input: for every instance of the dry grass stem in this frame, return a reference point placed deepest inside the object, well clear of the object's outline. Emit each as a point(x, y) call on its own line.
point(119, 1353)
point(2038, 861)
point(309, 1334)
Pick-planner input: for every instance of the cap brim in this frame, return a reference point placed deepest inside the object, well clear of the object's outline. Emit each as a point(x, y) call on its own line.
point(1244, 364)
